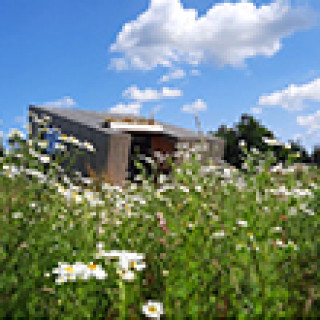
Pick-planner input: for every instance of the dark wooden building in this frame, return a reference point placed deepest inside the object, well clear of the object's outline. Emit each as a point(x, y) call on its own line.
point(117, 138)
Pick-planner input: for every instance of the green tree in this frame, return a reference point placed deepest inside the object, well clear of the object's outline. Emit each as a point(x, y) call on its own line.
point(232, 152)
point(247, 129)
point(316, 155)
point(252, 132)
point(296, 146)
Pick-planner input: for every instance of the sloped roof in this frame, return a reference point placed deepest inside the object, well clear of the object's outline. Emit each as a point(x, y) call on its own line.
point(96, 120)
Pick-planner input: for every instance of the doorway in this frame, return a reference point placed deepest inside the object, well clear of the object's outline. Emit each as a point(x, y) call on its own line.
point(140, 147)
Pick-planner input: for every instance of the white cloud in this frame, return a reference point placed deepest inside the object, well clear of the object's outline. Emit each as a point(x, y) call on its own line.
point(297, 136)
point(195, 72)
point(293, 97)
point(171, 93)
point(63, 102)
point(198, 105)
point(133, 108)
point(229, 33)
point(118, 64)
point(256, 110)
point(175, 74)
point(311, 122)
point(148, 94)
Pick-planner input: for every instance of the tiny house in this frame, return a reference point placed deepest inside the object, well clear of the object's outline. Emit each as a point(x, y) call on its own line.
point(118, 139)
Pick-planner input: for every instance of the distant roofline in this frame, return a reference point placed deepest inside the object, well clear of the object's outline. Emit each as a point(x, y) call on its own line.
point(169, 129)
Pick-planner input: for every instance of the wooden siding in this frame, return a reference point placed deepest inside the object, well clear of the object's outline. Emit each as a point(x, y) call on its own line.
point(117, 166)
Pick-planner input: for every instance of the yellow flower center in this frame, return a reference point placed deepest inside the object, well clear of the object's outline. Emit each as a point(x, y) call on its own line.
point(152, 309)
point(133, 264)
point(69, 269)
point(92, 266)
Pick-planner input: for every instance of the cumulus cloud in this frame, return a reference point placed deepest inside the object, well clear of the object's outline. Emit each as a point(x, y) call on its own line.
point(229, 33)
point(60, 103)
point(293, 97)
point(118, 64)
point(256, 110)
point(311, 122)
point(173, 75)
point(198, 105)
point(148, 94)
point(171, 93)
point(133, 108)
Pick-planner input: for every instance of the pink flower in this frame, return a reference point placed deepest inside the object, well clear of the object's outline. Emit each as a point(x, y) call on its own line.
point(165, 230)
point(162, 223)
point(159, 215)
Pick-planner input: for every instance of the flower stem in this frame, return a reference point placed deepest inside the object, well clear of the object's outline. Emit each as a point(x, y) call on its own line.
point(122, 293)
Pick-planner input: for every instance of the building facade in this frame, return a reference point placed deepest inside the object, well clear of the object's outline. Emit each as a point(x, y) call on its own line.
point(119, 139)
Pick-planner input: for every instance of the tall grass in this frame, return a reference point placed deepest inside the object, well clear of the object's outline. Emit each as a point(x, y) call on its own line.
point(208, 242)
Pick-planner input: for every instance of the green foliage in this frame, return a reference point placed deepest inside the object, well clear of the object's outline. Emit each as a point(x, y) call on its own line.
point(212, 248)
point(250, 130)
point(316, 155)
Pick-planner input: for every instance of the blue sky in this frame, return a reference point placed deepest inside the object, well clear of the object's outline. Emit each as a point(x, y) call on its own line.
point(219, 58)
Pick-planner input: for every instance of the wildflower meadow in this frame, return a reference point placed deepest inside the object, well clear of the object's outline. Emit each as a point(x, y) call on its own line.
point(206, 241)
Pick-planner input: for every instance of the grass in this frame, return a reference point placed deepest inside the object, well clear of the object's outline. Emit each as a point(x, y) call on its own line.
point(212, 244)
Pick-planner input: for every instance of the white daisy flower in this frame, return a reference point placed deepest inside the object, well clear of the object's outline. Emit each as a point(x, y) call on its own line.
point(43, 144)
point(219, 234)
point(271, 142)
point(59, 146)
point(242, 223)
point(44, 159)
point(153, 309)
point(280, 243)
point(126, 275)
point(184, 189)
point(17, 215)
point(79, 270)
point(134, 262)
point(277, 229)
point(128, 262)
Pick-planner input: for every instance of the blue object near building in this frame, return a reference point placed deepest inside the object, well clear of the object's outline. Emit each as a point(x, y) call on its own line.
point(53, 136)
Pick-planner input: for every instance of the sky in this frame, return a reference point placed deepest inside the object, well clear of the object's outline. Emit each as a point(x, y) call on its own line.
point(173, 58)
